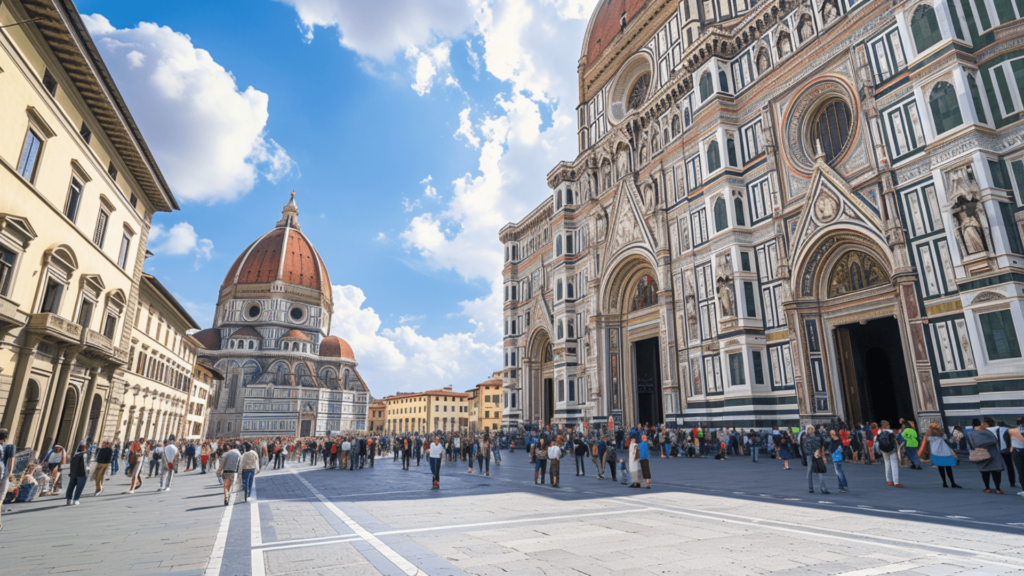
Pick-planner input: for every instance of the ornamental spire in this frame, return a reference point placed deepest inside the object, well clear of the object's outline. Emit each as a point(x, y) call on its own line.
point(290, 215)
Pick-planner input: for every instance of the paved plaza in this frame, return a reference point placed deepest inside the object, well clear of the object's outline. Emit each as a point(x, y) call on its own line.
point(701, 517)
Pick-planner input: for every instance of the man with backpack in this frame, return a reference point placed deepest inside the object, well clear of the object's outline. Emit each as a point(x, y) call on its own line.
point(887, 447)
point(754, 441)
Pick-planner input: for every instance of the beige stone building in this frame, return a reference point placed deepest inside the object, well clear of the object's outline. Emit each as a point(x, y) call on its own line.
point(430, 411)
point(378, 415)
point(78, 189)
point(159, 375)
point(205, 380)
point(485, 404)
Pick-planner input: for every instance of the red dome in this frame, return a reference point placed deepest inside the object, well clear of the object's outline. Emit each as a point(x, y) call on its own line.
point(334, 347)
point(605, 24)
point(283, 254)
point(246, 331)
point(296, 334)
point(209, 338)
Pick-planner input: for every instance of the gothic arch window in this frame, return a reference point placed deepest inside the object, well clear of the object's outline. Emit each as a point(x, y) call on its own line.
point(558, 245)
point(738, 205)
point(721, 218)
point(730, 148)
point(558, 290)
point(675, 126)
point(979, 107)
point(945, 109)
point(924, 27)
point(705, 86)
point(645, 293)
point(571, 329)
point(569, 292)
point(714, 159)
point(831, 129)
point(558, 200)
point(686, 117)
point(561, 332)
point(723, 81)
point(252, 344)
point(568, 197)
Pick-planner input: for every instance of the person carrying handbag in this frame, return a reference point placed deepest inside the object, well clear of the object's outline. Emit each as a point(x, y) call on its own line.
point(983, 442)
point(942, 455)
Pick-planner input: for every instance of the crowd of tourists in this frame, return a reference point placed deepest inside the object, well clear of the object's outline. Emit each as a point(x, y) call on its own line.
point(993, 447)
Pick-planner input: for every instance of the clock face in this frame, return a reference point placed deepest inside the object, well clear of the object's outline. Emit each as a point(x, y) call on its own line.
point(639, 91)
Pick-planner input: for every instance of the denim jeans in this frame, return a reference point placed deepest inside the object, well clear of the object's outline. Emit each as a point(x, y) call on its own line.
point(912, 454)
point(75, 487)
point(753, 452)
point(435, 468)
point(580, 467)
point(247, 479)
point(843, 484)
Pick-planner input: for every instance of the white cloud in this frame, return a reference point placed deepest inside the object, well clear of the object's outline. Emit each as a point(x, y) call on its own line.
point(381, 28)
point(410, 206)
point(406, 318)
point(427, 64)
point(381, 237)
point(429, 191)
point(180, 240)
point(474, 58)
point(402, 359)
point(466, 129)
point(208, 136)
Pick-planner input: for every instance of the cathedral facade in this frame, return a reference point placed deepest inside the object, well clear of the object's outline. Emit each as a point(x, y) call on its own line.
point(781, 213)
point(284, 375)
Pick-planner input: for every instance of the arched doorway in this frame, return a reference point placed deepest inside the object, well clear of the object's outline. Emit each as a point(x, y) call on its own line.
point(67, 417)
point(540, 375)
point(635, 343)
point(28, 414)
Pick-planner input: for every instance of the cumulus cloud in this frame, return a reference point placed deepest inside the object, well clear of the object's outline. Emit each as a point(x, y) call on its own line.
point(427, 64)
point(402, 359)
point(208, 136)
point(180, 240)
point(429, 191)
point(466, 129)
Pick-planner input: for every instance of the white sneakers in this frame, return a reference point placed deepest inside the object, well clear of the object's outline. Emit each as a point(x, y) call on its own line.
point(98, 493)
point(72, 502)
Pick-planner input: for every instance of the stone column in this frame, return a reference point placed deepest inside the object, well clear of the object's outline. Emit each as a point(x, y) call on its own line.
point(84, 408)
point(54, 415)
point(16, 398)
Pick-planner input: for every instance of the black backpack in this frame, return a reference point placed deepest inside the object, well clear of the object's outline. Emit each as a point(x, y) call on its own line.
point(887, 442)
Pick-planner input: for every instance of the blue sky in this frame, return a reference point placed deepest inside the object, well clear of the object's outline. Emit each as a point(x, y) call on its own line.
point(410, 131)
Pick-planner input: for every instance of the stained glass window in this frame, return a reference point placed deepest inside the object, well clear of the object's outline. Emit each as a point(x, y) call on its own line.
point(639, 91)
point(831, 129)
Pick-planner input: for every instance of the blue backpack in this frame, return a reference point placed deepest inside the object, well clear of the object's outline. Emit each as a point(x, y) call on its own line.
point(837, 456)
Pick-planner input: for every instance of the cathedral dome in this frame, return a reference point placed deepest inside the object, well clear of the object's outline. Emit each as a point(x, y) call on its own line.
point(608, 19)
point(334, 347)
point(209, 338)
point(282, 255)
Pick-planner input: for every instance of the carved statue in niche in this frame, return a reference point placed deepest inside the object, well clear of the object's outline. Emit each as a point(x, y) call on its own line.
point(806, 30)
point(690, 301)
point(625, 230)
point(968, 213)
point(622, 162)
point(785, 45)
point(684, 236)
point(763, 63)
point(643, 155)
point(829, 12)
point(855, 271)
point(724, 285)
point(587, 189)
point(606, 175)
point(601, 223)
point(645, 294)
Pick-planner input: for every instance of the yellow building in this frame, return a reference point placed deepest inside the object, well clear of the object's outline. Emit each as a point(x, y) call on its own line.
point(161, 361)
point(488, 404)
point(425, 412)
point(78, 189)
point(378, 415)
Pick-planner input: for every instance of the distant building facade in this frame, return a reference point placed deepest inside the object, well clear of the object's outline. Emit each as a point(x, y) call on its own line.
point(426, 412)
point(284, 376)
point(781, 212)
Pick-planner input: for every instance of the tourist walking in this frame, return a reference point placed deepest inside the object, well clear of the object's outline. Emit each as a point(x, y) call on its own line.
point(838, 452)
point(250, 466)
point(785, 448)
point(167, 469)
point(229, 466)
point(909, 434)
point(887, 447)
point(634, 464)
point(942, 455)
point(135, 458)
point(436, 454)
point(540, 455)
point(580, 455)
point(991, 468)
point(811, 445)
point(554, 459)
point(103, 458)
point(77, 475)
point(609, 457)
point(6, 465)
point(644, 455)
